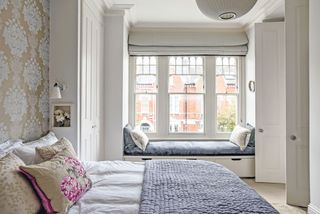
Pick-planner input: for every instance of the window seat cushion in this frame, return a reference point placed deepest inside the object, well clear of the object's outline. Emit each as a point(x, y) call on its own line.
point(196, 148)
point(185, 147)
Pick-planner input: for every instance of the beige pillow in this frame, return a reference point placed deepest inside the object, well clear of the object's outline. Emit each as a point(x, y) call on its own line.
point(139, 138)
point(240, 136)
point(17, 196)
point(63, 147)
point(59, 182)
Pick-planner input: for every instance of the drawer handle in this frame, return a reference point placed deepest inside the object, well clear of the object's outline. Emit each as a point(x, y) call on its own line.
point(236, 159)
point(146, 158)
point(191, 158)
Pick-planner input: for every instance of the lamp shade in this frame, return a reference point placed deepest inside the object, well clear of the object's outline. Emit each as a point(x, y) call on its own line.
point(225, 9)
point(56, 92)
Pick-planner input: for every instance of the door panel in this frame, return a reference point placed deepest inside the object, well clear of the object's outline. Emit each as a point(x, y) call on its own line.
point(91, 69)
point(270, 102)
point(297, 60)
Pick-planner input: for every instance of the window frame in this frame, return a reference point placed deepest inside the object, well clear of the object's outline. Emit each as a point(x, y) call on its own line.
point(203, 94)
point(209, 100)
point(132, 96)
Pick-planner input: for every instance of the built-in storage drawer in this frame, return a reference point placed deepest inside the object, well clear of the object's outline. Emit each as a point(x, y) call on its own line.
point(243, 166)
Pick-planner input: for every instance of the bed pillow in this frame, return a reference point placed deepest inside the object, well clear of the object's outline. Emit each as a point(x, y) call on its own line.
point(139, 138)
point(17, 196)
point(9, 145)
point(240, 136)
point(63, 147)
point(27, 152)
point(59, 182)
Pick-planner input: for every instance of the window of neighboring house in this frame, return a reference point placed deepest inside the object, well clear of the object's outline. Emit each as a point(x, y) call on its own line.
point(227, 93)
point(186, 94)
point(146, 90)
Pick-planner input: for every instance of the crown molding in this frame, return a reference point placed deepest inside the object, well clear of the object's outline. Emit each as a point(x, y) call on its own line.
point(267, 8)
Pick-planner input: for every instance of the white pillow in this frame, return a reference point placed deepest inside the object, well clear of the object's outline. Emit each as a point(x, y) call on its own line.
point(240, 136)
point(139, 138)
point(9, 145)
point(27, 151)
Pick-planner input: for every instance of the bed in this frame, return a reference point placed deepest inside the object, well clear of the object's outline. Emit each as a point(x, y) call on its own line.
point(166, 187)
point(117, 187)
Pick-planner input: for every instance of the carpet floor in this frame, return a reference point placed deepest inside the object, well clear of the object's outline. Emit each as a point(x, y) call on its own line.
point(275, 194)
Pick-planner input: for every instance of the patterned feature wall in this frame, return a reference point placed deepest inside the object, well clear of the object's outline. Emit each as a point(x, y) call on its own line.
point(24, 69)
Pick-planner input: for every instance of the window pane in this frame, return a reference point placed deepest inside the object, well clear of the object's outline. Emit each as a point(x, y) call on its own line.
point(226, 84)
point(146, 84)
point(146, 90)
point(227, 76)
point(186, 84)
point(218, 61)
point(226, 112)
point(145, 112)
point(186, 113)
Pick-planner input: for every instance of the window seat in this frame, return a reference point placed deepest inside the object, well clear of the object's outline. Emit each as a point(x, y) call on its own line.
point(189, 148)
point(184, 148)
point(223, 152)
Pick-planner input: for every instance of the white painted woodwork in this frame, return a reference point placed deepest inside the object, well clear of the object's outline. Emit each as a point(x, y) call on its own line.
point(91, 71)
point(297, 87)
point(314, 78)
point(243, 166)
point(116, 83)
point(270, 102)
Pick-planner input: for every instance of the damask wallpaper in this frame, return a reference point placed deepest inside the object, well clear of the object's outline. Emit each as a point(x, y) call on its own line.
point(24, 69)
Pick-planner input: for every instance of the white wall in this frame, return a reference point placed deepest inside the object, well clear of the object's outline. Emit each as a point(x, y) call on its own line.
point(64, 43)
point(314, 55)
point(116, 83)
point(250, 75)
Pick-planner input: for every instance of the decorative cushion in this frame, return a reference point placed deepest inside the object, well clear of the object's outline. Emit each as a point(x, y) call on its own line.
point(63, 147)
point(240, 136)
point(27, 152)
point(17, 196)
point(252, 141)
point(139, 138)
point(59, 182)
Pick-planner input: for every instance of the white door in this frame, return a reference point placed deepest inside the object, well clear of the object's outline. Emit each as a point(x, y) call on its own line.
point(297, 57)
point(90, 83)
point(270, 102)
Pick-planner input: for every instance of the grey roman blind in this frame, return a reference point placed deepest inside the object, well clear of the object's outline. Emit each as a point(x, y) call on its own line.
point(159, 42)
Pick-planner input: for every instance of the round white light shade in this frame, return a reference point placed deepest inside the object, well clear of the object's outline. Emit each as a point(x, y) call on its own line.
point(218, 9)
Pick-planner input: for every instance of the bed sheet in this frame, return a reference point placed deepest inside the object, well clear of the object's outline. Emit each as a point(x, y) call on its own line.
point(116, 188)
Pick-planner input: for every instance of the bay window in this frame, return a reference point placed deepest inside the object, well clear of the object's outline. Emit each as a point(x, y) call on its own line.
point(186, 96)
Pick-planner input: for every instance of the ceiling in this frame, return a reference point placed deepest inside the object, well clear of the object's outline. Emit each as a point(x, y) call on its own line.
point(185, 13)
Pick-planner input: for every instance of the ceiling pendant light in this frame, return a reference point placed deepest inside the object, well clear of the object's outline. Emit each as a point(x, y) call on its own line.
point(225, 9)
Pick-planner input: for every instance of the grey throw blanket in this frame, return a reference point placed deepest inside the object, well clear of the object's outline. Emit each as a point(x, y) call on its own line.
point(192, 187)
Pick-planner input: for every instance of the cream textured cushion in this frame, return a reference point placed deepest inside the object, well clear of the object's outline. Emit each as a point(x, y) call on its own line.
point(59, 182)
point(27, 151)
point(139, 138)
point(63, 147)
point(17, 196)
point(240, 136)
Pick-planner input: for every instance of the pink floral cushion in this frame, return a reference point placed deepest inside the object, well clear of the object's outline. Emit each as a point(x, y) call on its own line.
point(59, 182)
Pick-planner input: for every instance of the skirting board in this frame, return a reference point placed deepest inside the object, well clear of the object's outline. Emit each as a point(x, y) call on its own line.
point(313, 209)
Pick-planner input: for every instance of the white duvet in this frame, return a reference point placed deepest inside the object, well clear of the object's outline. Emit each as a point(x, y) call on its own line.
point(116, 188)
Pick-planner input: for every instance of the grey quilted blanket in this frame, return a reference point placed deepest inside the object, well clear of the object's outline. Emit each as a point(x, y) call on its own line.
point(193, 187)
